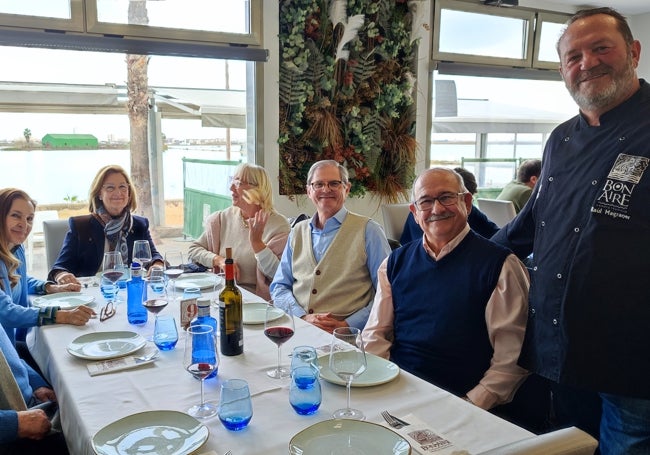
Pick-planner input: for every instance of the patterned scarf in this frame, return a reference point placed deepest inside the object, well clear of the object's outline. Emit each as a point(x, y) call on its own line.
point(116, 230)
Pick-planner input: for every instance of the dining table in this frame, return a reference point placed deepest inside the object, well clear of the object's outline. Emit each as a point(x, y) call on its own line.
point(89, 403)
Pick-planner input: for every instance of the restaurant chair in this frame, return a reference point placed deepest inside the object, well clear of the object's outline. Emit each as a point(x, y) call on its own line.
point(54, 232)
point(36, 236)
point(567, 441)
point(394, 218)
point(498, 211)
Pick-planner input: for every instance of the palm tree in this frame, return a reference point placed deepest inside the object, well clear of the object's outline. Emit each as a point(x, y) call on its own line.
point(138, 110)
point(28, 135)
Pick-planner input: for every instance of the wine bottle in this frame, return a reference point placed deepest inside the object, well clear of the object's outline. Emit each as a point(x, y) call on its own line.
point(136, 313)
point(231, 337)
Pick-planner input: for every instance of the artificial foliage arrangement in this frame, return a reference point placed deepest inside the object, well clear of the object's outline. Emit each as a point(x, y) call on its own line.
point(347, 93)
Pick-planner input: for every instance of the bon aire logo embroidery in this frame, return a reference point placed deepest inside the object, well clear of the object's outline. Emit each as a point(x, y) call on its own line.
point(618, 189)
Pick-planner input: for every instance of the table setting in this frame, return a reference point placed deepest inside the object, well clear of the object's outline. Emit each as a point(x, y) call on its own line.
point(107, 372)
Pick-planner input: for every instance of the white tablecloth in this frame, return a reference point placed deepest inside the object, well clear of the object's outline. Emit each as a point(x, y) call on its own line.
point(90, 403)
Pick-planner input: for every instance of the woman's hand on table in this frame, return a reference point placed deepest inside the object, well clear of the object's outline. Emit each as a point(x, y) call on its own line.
point(76, 316)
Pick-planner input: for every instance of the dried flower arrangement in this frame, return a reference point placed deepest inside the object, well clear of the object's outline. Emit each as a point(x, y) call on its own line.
point(346, 93)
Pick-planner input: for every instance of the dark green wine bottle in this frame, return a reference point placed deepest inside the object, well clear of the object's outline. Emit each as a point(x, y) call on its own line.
point(231, 337)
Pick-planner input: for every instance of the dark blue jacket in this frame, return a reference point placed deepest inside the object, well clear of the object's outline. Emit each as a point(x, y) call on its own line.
point(588, 225)
point(83, 256)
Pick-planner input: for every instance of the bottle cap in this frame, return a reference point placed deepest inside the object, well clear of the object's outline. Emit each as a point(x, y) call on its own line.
point(203, 302)
point(135, 265)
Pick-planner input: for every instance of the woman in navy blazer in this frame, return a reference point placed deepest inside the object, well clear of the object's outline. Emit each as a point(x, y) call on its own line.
point(109, 227)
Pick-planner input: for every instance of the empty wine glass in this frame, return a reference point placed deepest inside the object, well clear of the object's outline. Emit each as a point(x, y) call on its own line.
point(201, 359)
point(173, 268)
point(112, 270)
point(347, 361)
point(141, 252)
point(278, 327)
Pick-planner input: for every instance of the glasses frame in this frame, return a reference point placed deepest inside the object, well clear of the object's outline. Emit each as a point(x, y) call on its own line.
point(432, 200)
point(107, 312)
point(112, 188)
point(237, 182)
point(332, 184)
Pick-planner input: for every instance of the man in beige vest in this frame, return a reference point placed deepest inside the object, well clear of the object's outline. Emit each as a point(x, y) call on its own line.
point(328, 271)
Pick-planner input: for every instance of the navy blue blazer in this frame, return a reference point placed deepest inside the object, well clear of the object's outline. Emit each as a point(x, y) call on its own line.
point(84, 256)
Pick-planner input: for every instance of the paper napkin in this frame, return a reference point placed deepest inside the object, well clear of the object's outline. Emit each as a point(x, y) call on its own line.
point(425, 440)
point(110, 366)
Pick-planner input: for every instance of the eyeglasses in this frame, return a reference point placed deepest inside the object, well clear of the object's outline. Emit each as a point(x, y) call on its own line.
point(236, 182)
point(445, 199)
point(334, 185)
point(112, 188)
point(107, 312)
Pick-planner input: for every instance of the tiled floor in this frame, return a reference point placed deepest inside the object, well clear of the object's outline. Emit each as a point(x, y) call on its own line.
point(37, 263)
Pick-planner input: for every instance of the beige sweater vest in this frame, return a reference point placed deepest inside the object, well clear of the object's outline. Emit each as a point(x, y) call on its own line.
point(341, 282)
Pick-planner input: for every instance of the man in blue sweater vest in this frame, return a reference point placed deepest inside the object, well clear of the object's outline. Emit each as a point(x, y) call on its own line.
point(451, 308)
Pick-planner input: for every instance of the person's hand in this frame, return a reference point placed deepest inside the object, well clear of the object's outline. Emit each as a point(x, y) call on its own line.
point(76, 316)
point(156, 264)
point(68, 287)
point(219, 263)
point(43, 394)
point(325, 321)
point(33, 424)
point(256, 226)
point(66, 278)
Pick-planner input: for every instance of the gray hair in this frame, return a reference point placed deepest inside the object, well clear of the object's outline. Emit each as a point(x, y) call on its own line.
point(343, 171)
point(456, 175)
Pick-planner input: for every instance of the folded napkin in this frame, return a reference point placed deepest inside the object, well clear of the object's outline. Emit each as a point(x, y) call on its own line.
point(122, 363)
point(425, 440)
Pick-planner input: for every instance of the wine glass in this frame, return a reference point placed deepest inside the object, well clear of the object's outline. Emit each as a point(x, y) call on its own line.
point(173, 268)
point(141, 252)
point(347, 361)
point(112, 270)
point(201, 359)
point(278, 327)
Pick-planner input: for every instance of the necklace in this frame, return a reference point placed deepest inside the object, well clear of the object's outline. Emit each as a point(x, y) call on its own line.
point(244, 221)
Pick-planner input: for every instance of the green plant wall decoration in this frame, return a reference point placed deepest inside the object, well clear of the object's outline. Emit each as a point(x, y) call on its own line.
point(347, 93)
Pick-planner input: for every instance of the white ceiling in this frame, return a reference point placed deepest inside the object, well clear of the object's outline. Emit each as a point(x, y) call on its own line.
point(625, 7)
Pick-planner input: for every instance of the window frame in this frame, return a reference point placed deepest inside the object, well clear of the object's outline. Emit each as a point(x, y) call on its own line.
point(76, 23)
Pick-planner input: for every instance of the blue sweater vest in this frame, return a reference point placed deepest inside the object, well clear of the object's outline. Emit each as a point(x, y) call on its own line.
point(440, 330)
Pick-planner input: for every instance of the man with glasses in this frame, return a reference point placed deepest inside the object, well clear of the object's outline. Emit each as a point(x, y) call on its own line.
point(328, 270)
point(451, 308)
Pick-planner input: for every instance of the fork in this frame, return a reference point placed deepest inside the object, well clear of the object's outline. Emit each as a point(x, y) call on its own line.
point(393, 421)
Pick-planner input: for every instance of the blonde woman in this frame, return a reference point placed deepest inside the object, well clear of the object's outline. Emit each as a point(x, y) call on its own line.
point(252, 227)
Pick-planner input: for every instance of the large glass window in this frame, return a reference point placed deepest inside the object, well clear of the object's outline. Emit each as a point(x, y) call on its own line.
point(85, 93)
point(491, 119)
point(44, 8)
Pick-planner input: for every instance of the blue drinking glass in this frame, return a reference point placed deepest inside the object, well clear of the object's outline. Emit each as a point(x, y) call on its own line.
point(191, 293)
point(165, 334)
point(304, 356)
point(305, 393)
point(235, 406)
point(109, 290)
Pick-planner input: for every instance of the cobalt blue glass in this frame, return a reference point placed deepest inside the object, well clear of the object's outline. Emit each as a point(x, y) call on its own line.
point(235, 407)
point(305, 393)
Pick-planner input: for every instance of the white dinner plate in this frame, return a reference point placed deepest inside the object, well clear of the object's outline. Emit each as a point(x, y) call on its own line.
point(196, 280)
point(348, 436)
point(151, 432)
point(105, 345)
point(255, 313)
point(65, 300)
point(378, 371)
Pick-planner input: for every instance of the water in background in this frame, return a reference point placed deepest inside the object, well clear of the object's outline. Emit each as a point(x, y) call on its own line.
point(55, 176)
